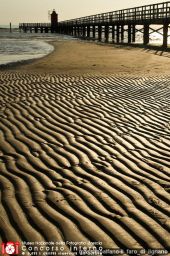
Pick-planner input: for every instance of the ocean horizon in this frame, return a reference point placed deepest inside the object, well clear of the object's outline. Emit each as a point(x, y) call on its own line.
point(7, 26)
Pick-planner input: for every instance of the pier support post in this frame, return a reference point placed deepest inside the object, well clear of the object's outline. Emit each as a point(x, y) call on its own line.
point(61, 30)
point(133, 33)
point(78, 31)
point(70, 30)
point(146, 34)
point(165, 35)
point(74, 31)
point(129, 34)
point(106, 33)
point(99, 32)
point(118, 33)
point(113, 34)
point(67, 30)
point(84, 31)
point(122, 33)
point(88, 31)
point(94, 32)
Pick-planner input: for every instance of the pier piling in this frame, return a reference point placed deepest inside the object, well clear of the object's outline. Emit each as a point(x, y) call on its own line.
point(106, 33)
point(133, 33)
point(99, 32)
point(122, 33)
point(113, 34)
point(118, 33)
point(94, 31)
point(129, 34)
point(88, 31)
point(10, 27)
point(165, 35)
point(146, 34)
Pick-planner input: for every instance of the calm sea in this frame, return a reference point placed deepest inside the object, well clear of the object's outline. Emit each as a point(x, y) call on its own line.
point(18, 47)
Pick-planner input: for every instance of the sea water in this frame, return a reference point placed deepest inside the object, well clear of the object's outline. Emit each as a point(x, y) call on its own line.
point(18, 47)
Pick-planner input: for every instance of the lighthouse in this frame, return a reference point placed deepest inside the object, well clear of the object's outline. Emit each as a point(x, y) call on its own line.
point(54, 21)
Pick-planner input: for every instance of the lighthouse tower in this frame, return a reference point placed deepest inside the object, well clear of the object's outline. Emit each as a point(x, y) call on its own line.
point(54, 21)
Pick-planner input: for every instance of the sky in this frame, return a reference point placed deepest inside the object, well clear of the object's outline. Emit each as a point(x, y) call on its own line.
point(17, 11)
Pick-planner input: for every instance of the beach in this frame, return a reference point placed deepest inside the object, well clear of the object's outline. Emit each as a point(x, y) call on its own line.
point(84, 150)
point(84, 57)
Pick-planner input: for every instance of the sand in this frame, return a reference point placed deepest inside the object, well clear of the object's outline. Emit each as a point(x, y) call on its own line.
point(84, 156)
point(84, 57)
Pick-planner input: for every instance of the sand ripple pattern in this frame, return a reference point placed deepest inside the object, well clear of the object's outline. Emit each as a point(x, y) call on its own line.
point(85, 158)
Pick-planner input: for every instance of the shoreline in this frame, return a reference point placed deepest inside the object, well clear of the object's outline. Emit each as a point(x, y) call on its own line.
point(18, 63)
point(78, 57)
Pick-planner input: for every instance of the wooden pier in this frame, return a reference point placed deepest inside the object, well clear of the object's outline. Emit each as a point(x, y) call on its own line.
point(35, 27)
point(117, 26)
point(41, 27)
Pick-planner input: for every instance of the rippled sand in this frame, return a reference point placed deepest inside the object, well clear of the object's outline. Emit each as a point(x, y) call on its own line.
point(85, 158)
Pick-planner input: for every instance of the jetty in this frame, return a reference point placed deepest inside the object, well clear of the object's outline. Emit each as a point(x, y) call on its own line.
point(114, 25)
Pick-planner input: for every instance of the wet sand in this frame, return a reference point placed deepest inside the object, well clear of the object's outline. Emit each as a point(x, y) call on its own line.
point(84, 156)
point(84, 57)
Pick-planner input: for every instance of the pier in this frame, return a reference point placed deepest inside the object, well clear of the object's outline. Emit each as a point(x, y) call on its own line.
point(115, 25)
point(35, 27)
point(41, 27)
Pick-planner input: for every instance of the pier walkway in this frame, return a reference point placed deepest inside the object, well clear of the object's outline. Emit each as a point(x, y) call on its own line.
point(115, 25)
point(118, 23)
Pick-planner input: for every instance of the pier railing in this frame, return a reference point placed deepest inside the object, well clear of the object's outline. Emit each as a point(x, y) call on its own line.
point(33, 25)
point(154, 13)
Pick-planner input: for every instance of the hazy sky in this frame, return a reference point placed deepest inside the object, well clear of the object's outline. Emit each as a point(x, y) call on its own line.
point(37, 10)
